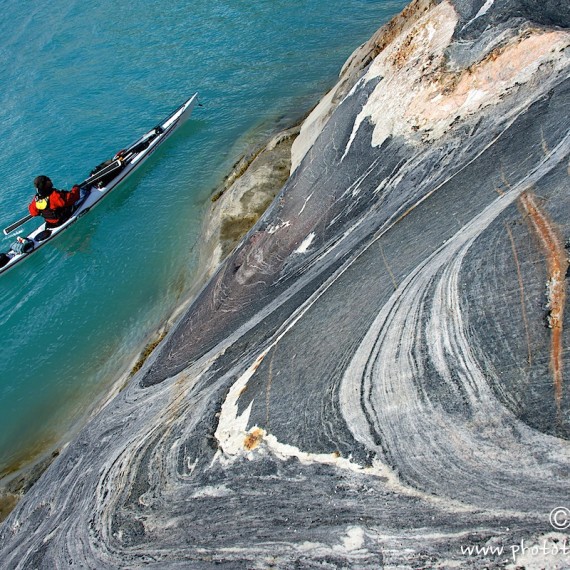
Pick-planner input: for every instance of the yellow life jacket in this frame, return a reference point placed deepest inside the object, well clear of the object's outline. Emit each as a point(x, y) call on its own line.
point(42, 203)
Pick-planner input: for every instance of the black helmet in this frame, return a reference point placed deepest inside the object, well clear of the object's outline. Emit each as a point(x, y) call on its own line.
point(43, 185)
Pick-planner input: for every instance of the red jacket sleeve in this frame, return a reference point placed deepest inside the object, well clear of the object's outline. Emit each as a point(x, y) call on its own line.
point(32, 208)
point(61, 199)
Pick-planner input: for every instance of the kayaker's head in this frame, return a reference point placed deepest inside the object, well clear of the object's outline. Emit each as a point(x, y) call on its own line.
point(43, 185)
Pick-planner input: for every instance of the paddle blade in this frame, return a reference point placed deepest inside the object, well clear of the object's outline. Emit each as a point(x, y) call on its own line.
point(16, 225)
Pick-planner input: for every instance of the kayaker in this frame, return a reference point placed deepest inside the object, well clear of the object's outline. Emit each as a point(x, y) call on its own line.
point(55, 206)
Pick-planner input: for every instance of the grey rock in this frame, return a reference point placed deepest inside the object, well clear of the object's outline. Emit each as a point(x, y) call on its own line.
point(367, 381)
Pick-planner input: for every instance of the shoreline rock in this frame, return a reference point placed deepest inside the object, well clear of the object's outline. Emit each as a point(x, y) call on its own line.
point(21, 481)
point(246, 193)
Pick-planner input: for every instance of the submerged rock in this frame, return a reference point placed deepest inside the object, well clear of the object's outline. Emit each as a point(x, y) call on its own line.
point(244, 196)
point(367, 380)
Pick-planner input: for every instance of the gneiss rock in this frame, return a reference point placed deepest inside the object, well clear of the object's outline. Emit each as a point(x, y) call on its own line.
point(366, 381)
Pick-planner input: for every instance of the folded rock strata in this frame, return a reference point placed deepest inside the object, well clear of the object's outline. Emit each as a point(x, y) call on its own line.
point(377, 376)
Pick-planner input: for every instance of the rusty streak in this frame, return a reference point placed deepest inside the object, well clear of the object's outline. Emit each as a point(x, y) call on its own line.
point(557, 264)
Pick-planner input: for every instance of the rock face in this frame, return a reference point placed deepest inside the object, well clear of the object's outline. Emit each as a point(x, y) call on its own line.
point(378, 375)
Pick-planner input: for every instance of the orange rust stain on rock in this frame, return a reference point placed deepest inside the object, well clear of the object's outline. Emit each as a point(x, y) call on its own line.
point(254, 367)
point(557, 264)
point(481, 83)
point(253, 439)
point(388, 33)
point(406, 50)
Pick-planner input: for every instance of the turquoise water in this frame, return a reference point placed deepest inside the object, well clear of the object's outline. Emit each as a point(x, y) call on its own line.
point(81, 81)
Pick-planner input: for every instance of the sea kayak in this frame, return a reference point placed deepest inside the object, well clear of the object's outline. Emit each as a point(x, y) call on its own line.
point(104, 178)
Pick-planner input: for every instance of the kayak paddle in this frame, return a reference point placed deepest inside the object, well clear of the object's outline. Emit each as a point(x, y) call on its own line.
point(17, 224)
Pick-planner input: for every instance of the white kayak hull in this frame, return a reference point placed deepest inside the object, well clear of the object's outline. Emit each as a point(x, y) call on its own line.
point(132, 162)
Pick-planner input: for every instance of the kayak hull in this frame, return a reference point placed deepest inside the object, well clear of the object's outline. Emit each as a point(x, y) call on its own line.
point(93, 193)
